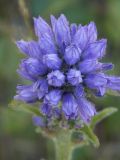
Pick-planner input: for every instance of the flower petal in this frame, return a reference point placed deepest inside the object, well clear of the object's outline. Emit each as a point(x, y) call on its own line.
point(41, 27)
point(95, 50)
point(62, 31)
point(80, 37)
point(47, 45)
point(86, 109)
point(38, 121)
point(94, 81)
point(79, 91)
point(69, 106)
point(88, 66)
point(92, 32)
point(41, 87)
point(56, 78)
point(26, 94)
point(46, 109)
point(74, 77)
point(72, 54)
point(73, 28)
point(113, 82)
point(93, 65)
point(52, 61)
point(98, 82)
point(53, 97)
point(34, 67)
point(30, 48)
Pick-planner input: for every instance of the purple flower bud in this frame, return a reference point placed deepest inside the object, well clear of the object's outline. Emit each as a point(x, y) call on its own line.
point(92, 32)
point(73, 28)
point(41, 27)
point(41, 87)
point(69, 106)
point(107, 66)
point(53, 97)
point(72, 54)
point(38, 121)
point(56, 78)
point(80, 37)
point(26, 94)
point(95, 50)
point(79, 91)
point(33, 67)
point(62, 31)
point(23, 73)
point(85, 109)
point(46, 109)
point(31, 48)
point(53, 23)
point(88, 66)
point(98, 82)
point(47, 45)
point(74, 77)
point(95, 80)
point(52, 61)
point(113, 82)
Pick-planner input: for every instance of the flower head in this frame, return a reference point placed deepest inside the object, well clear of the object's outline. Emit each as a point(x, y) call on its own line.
point(61, 66)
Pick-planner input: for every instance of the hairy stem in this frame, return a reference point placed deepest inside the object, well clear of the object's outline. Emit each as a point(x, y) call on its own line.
point(63, 145)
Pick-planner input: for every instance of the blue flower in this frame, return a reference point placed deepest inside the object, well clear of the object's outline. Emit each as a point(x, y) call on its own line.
point(53, 97)
point(46, 109)
point(74, 77)
point(26, 94)
point(39, 121)
point(52, 61)
point(79, 91)
point(89, 66)
point(95, 50)
point(72, 54)
point(56, 78)
point(62, 65)
point(41, 86)
point(86, 109)
point(41, 27)
point(47, 45)
point(69, 106)
point(61, 31)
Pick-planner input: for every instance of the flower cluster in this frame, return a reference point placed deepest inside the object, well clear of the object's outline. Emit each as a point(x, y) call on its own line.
point(61, 66)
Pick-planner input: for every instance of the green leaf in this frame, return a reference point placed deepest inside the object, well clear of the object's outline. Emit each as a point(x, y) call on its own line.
point(101, 115)
point(18, 106)
point(113, 93)
point(90, 136)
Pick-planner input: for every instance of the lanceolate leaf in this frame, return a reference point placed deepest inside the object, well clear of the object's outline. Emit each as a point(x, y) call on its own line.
point(101, 115)
point(18, 106)
point(90, 136)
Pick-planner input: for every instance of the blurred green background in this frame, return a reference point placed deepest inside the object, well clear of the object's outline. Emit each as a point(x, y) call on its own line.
point(18, 140)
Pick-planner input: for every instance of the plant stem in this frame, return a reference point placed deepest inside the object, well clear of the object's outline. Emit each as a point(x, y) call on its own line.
point(63, 145)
